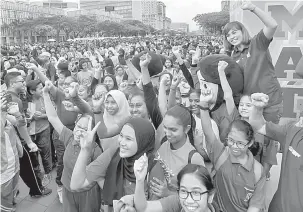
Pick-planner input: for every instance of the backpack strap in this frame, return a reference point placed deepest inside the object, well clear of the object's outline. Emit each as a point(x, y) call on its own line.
point(190, 155)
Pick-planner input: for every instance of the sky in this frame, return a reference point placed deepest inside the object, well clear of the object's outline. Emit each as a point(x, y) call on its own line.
point(186, 10)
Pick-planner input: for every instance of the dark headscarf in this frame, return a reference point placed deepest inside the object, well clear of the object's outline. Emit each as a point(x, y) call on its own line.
point(123, 168)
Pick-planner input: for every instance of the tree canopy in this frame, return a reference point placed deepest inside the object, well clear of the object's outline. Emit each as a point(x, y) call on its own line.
point(212, 21)
point(81, 26)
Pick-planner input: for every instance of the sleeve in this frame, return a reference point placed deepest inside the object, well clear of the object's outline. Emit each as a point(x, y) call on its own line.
point(277, 132)
point(261, 41)
point(66, 136)
point(152, 104)
point(197, 159)
point(215, 149)
point(97, 169)
point(83, 106)
point(258, 198)
point(187, 75)
point(171, 204)
point(215, 129)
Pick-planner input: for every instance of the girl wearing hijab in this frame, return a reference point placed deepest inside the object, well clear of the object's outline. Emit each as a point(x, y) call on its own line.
point(116, 110)
point(116, 166)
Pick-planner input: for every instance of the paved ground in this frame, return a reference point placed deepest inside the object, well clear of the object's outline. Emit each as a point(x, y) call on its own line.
point(51, 203)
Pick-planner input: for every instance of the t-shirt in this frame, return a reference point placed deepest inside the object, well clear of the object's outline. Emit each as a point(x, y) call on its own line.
point(72, 150)
point(37, 126)
point(259, 72)
point(289, 196)
point(177, 159)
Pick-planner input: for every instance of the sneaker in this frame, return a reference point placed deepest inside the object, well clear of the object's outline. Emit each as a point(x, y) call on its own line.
point(47, 178)
point(44, 192)
point(59, 191)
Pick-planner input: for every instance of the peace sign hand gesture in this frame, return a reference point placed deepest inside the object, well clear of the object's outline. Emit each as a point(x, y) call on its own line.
point(87, 139)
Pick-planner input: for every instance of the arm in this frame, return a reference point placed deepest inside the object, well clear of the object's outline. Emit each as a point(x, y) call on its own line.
point(51, 113)
point(228, 93)
point(133, 74)
point(82, 105)
point(270, 23)
point(162, 98)
point(171, 98)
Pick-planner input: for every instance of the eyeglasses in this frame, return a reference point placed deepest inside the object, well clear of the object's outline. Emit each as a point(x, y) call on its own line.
point(231, 142)
point(195, 195)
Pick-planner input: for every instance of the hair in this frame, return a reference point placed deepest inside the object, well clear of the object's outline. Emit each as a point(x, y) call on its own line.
point(200, 172)
point(137, 93)
point(185, 118)
point(171, 62)
point(243, 95)
point(9, 77)
point(65, 73)
point(238, 26)
point(114, 79)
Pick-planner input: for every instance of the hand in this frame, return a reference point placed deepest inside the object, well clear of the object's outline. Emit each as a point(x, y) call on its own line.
point(69, 106)
point(37, 115)
point(176, 51)
point(206, 97)
point(29, 72)
point(33, 147)
point(259, 100)
point(247, 5)
point(31, 66)
point(123, 86)
point(47, 87)
point(165, 80)
point(72, 90)
point(3, 102)
point(140, 168)
point(98, 100)
point(87, 140)
point(145, 60)
point(159, 188)
point(176, 81)
point(222, 65)
point(13, 108)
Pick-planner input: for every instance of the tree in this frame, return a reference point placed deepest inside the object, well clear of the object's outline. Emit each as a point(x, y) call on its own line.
point(212, 21)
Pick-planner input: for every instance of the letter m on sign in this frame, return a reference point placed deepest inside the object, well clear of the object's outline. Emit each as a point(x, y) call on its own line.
point(294, 19)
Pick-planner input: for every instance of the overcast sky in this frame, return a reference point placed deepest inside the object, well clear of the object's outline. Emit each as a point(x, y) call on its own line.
point(186, 10)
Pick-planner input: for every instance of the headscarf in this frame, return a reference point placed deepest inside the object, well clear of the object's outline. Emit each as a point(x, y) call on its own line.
point(123, 111)
point(123, 168)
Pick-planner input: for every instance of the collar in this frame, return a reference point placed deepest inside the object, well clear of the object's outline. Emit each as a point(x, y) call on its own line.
point(240, 50)
point(248, 165)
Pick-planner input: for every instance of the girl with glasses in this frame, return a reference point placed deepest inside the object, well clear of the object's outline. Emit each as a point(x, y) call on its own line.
point(195, 191)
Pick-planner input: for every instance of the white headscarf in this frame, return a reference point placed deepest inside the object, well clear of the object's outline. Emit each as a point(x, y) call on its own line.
point(123, 111)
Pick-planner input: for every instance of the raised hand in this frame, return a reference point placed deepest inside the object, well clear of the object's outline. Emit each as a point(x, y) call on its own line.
point(176, 50)
point(176, 81)
point(31, 66)
point(13, 108)
point(69, 106)
point(98, 100)
point(259, 100)
point(87, 139)
point(222, 66)
point(72, 90)
point(145, 60)
point(165, 80)
point(206, 97)
point(48, 85)
point(159, 188)
point(33, 147)
point(247, 5)
point(140, 168)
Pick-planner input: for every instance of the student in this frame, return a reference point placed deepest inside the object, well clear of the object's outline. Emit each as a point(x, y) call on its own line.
point(86, 198)
point(253, 56)
point(84, 76)
point(290, 189)
point(195, 191)
point(239, 179)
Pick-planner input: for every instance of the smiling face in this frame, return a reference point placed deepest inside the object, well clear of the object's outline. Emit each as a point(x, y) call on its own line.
point(234, 37)
point(167, 64)
point(80, 128)
point(109, 82)
point(83, 92)
point(127, 142)
point(111, 105)
point(138, 107)
point(239, 137)
point(194, 100)
point(245, 107)
point(190, 183)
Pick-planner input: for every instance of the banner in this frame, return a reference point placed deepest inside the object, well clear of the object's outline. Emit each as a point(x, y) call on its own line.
point(286, 48)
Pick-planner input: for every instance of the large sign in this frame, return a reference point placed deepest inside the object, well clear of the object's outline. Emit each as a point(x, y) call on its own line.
point(286, 48)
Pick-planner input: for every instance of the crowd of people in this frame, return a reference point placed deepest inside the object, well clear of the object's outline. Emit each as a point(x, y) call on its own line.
point(150, 124)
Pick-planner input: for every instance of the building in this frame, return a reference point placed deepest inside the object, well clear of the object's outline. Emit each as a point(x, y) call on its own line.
point(99, 14)
point(184, 27)
point(161, 15)
point(154, 13)
point(167, 23)
point(128, 9)
point(19, 10)
point(225, 4)
point(55, 3)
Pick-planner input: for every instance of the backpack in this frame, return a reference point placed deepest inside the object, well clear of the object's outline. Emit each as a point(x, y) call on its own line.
point(258, 170)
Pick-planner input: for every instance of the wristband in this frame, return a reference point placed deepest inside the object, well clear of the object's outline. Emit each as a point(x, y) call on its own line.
point(203, 108)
